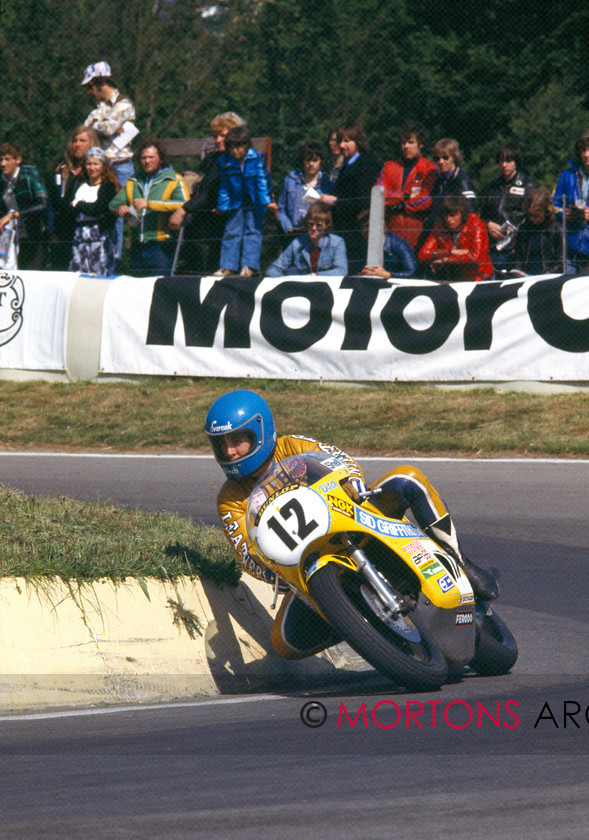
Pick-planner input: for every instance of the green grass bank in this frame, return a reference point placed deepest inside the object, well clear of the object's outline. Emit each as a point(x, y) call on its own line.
point(392, 419)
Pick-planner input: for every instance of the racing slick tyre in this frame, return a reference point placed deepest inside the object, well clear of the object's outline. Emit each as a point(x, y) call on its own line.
point(351, 607)
point(496, 650)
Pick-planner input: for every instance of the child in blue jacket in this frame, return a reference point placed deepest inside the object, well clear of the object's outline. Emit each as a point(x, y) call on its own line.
point(244, 194)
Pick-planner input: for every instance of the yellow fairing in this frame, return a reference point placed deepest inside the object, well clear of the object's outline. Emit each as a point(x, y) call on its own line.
point(444, 584)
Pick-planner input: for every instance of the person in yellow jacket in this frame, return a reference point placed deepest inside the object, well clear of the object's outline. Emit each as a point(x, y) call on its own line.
point(242, 433)
point(147, 200)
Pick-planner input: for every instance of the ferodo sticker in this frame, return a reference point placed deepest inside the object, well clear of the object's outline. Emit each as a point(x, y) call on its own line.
point(340, 505)
point(297, 467)
point(463, 619)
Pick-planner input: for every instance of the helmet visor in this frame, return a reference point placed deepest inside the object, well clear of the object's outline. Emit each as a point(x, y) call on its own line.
point(233, 447)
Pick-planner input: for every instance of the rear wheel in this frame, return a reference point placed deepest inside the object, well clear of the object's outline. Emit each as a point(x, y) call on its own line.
point(496, 650)
point(394, 646)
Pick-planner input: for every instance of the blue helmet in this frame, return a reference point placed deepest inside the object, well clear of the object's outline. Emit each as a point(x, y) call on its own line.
point(241, 411)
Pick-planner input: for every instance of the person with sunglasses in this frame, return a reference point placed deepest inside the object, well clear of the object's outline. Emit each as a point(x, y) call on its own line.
point(203, 223)
point(450, 180)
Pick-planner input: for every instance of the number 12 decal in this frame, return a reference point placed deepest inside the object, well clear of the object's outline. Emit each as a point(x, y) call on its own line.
point(290, 523)
point(303, 530)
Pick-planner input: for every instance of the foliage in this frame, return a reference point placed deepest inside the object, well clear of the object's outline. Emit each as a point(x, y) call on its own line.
point(294, 68)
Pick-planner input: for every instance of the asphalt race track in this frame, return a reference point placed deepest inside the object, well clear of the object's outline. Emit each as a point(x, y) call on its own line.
point(241, 766)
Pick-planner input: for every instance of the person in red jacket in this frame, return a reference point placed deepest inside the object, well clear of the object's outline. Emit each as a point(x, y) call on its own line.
point(458, 247)
point(408, 182)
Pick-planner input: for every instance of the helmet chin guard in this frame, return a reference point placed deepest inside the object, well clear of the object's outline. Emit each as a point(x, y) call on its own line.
point(241, 411)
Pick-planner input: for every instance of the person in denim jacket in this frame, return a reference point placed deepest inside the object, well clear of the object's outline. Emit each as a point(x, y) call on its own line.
point(316, 252)
point(244, 194)
point(292, 207)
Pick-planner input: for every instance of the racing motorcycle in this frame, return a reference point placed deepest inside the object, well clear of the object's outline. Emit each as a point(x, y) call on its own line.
point(386, 588)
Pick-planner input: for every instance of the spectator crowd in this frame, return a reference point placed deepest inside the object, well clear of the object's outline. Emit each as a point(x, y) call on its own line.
point(436, 226)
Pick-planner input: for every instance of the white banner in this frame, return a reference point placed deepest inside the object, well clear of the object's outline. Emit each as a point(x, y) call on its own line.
point(33, 314)
point(348, 328)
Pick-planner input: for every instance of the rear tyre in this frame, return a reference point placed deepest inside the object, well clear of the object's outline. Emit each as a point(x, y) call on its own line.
point(496, 650)
point(418, 663)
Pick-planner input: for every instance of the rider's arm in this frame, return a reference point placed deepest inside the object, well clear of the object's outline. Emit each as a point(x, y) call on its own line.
point(231, 507)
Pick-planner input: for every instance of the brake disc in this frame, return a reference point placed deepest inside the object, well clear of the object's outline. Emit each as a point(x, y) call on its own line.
point(398, 623)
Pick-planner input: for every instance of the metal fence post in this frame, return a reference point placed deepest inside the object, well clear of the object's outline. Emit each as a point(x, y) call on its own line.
point(177, 251)
point(375, 254)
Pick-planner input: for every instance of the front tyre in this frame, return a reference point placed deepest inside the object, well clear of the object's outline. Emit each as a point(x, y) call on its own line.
point(417, 662)
point(496, 650)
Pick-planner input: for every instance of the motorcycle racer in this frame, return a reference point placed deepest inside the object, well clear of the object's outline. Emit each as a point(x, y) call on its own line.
point(242, 433)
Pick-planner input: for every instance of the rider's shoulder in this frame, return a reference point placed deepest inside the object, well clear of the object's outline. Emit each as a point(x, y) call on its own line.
point(232, 492)
point(287, 445)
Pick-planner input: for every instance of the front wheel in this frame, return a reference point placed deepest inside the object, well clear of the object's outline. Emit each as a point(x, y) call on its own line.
point(496, 650)
point(352, 608)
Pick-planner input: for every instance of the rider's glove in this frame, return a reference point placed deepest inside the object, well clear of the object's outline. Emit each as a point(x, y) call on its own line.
point(354, 487)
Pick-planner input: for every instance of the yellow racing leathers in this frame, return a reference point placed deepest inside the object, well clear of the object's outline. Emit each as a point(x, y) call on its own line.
point(298, 630)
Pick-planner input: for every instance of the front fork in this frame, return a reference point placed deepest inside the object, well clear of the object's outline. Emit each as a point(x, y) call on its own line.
point(390, 601)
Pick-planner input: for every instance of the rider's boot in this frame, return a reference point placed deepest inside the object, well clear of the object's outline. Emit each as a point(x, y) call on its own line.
point(484, 584)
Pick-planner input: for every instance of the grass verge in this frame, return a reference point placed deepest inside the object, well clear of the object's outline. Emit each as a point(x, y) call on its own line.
point(391, 419)
point(86, 541)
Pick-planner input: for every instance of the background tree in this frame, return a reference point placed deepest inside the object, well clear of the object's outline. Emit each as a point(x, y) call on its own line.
point(481, 73)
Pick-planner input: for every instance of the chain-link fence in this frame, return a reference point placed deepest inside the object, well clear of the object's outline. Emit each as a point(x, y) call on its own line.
point(491, 110)
point(513, 227)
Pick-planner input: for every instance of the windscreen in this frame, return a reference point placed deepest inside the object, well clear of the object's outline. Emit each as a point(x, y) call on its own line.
point(300, 470)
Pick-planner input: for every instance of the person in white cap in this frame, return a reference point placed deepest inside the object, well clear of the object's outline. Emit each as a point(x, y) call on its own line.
point(114, 121)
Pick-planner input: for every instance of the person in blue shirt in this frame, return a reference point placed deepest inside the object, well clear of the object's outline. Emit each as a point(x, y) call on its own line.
point(292, 206)
point(398, 257)
point(318, 251)
point(572, 193)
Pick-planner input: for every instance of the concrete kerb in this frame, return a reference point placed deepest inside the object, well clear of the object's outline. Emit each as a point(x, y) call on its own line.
point(64, 645)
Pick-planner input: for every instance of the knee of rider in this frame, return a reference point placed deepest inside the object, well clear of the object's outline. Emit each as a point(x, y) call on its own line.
point(410, 471)
point(390, 503)
point(280, 645)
